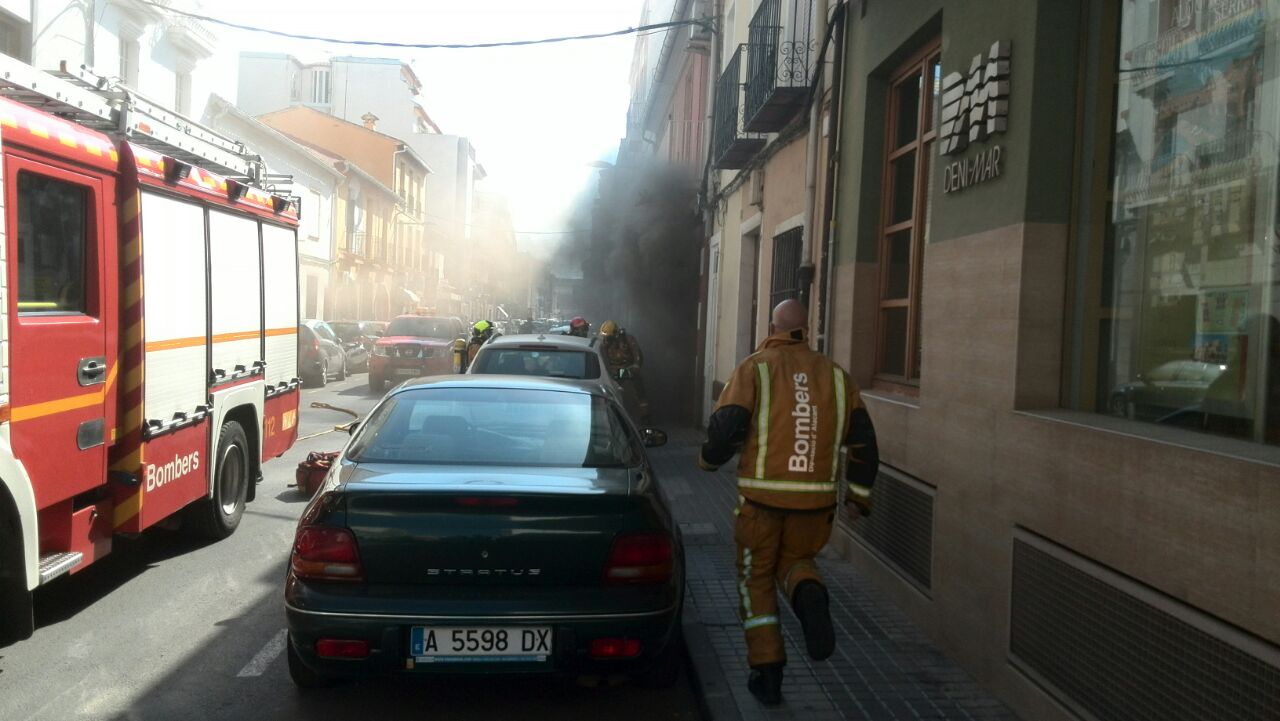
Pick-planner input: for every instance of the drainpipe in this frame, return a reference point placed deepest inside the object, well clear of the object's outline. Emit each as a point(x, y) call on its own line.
point(833, 164)
point(811, 164)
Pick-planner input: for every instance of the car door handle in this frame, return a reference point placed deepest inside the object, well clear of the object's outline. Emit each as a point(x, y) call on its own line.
point(91, 370)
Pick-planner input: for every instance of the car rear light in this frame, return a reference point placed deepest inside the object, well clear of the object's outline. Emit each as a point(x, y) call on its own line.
point(615, 647)
point(324, 553)
point(639, 558)
point(487, 501)
point(339, 648)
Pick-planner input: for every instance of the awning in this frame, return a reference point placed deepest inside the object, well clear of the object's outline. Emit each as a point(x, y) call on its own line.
point(413, 297)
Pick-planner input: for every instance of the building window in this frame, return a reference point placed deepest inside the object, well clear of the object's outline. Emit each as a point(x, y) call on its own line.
point(129, 53)
point(1181, 303)
point(13, 40)
point(785, 283)
point(320, 86)
point(911, 128)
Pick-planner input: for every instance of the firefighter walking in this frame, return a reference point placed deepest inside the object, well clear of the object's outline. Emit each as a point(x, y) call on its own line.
point(622, 352)
point(790, 412)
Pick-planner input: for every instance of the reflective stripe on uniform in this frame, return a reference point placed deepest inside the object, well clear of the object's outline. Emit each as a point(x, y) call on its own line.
point(762, 419)
point(757, 621)
point(861, 491)
point(798, 486)
point(742, 584)
point(840, 419)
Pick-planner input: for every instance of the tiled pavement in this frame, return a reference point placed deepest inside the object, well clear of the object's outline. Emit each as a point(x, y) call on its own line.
point(883, 669)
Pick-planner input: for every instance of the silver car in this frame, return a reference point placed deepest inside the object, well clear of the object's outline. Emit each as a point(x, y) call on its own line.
point(551, 356)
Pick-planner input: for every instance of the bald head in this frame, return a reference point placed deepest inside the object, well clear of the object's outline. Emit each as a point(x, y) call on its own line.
point(789, 315)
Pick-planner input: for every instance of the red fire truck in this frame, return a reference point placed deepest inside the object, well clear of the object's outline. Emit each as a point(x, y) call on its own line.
point(148, 320)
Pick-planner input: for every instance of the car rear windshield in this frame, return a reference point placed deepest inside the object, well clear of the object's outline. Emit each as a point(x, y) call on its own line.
point(346, 331)
point(539, 362)
point(422, 327)
point(496, 427)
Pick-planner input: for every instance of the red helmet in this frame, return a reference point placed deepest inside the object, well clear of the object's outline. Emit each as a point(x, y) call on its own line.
point(579, 326)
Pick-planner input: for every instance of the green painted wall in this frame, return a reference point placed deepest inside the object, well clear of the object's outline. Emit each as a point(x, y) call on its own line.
point(1038, 147)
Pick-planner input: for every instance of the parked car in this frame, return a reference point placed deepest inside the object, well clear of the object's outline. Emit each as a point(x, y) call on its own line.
point(320, 353)
point(1169, 389)
point(488, 524)
point(354, 342)
point(373, 330)
point(553, 356)
point(413, 346)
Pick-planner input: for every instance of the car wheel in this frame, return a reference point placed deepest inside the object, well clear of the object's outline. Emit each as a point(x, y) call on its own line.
point(302, 676)
point(217, 517)
point(342, 372)
point(666, 668)
point(375, 384)
point(323, 378)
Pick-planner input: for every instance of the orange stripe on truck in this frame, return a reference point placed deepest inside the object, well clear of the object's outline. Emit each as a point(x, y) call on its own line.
point(32, 411)
point(219, 338)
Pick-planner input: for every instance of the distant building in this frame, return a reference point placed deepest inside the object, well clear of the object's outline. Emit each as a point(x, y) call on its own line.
point(351, 88)
point(382, 266)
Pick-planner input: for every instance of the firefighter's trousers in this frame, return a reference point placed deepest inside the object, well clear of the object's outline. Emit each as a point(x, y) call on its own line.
point(776, 549)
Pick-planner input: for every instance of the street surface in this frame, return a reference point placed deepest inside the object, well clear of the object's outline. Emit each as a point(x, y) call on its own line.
point(165, 628)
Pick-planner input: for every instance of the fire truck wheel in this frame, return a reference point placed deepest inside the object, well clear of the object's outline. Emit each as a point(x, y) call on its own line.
point(302, 676)
point(216, 518)
point(17, 621)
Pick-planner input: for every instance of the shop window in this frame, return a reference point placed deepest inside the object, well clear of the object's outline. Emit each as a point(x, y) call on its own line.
point(1180, 303)
point(911, 129)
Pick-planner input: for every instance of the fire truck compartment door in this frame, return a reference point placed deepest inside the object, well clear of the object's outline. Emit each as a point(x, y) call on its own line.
point(235, 295)
point(59, 224)
point(174, 300)
point(280, 275)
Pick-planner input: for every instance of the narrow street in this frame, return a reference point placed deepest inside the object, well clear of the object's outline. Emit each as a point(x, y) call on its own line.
point(165, 628)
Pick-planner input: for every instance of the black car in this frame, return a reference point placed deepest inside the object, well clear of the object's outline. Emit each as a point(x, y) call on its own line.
point(355, 343)
point(488, 524)
point(320, 353)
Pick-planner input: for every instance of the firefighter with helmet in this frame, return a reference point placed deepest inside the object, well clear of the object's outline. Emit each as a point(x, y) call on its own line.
point(481, 332)
point(579, 327)
point(622, 352)
point(791, 413)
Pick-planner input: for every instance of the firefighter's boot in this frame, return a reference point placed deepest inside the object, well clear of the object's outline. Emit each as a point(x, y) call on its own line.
point(765, 683)
point(812, 608)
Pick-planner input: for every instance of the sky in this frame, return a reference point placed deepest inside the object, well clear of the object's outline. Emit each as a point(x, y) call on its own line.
point(537, 116)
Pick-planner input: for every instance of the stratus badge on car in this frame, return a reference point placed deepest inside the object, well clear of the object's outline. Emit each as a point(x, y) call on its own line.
point(484, 571)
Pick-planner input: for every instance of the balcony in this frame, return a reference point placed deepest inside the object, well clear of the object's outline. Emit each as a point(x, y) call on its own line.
point(731, 146)
point(782, 58)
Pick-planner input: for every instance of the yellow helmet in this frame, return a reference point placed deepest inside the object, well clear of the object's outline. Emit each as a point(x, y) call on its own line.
point(608, 329)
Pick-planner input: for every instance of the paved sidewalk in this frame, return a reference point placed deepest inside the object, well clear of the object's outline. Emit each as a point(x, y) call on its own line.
point(883, 668)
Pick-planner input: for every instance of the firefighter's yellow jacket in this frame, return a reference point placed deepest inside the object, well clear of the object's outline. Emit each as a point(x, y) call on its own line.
point(790, 411)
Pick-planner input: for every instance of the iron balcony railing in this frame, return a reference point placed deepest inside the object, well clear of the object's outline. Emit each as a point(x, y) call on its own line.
point(731, 146)
point(782, 55)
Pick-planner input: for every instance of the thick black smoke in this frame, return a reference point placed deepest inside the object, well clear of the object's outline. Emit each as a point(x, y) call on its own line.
point(640, 268)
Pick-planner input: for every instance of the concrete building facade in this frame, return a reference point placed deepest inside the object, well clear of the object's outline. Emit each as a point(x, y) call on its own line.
point(158, 53)
point(1053, 272)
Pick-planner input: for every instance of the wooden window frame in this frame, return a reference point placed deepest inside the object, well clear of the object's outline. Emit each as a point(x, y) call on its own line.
point(924, 145)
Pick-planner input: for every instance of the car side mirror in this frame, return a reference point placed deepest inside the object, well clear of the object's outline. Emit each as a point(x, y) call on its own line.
point(352, 426)
point(653, 438)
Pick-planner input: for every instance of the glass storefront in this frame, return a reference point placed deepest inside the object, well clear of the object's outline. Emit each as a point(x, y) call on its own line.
point(1187, 299)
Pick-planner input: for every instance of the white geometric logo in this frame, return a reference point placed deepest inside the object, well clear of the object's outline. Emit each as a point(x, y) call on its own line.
point(977, 106)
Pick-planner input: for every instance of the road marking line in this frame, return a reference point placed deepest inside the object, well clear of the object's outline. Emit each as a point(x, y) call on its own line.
point(269, 653)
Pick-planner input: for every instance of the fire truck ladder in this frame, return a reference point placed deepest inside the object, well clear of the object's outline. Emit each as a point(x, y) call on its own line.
point(111, 107)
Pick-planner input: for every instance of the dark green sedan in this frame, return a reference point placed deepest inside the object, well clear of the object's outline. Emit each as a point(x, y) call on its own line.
point(488, 524)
